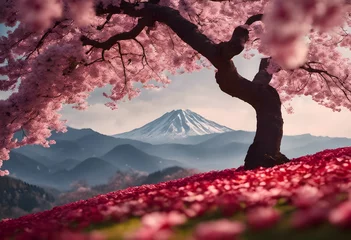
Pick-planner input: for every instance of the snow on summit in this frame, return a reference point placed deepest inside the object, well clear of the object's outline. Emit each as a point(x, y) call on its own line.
point(174, 125)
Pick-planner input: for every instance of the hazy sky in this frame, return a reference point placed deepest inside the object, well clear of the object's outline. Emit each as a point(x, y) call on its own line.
point(200, 93)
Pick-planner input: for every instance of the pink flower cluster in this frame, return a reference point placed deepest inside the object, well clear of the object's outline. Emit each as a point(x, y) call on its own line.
point(289, 22)
point(317, 186)
point(219, 229)
point(157, 224)
point(39, 15)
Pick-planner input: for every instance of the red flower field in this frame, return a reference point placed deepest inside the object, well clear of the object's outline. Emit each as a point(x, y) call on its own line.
point(307, 198)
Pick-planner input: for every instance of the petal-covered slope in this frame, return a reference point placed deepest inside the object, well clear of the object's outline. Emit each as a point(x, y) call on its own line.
point(302, 193)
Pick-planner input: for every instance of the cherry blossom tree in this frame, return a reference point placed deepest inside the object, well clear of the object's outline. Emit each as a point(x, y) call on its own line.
point(61, 50)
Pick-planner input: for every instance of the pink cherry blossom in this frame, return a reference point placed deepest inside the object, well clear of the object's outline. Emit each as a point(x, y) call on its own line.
point(157, 226)
point(288, 22)
point(262, 217)
point(341, 215)
point(309, 217)
point(306, 196)
point(39, 14)
point(163, 220)
point(219, 229)
point(82, 11)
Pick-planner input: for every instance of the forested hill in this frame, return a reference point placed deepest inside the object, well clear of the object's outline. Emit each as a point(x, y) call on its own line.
point(18, 198)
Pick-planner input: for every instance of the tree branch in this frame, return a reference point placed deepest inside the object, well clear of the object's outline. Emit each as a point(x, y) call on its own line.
point(145, 58)
point(254, 18)
point(186, 30)
point(42, 39)
point(123, 65)
point(108, 18)
point(106, 45)
point(240, 36)
point(235, 45)
point(263, 77)
point(323, 73)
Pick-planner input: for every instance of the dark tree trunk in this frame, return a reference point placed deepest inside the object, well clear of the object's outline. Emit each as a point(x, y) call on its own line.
point(265, 150)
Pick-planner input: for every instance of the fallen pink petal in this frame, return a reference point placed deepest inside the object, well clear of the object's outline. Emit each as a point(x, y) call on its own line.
point(219, 229)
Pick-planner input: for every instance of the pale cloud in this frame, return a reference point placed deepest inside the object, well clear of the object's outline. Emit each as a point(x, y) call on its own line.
point(309, 117)
point(5, 95)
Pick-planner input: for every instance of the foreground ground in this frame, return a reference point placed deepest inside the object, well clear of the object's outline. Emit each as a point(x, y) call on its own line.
point(308, 198)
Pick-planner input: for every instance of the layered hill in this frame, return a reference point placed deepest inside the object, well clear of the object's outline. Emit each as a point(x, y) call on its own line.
point(66, 164)
point(25, 168)
point(127, 157)
point(93, 171)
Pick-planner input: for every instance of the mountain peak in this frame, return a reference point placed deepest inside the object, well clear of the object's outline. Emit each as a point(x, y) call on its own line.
point(181, 110)
point(176, 124)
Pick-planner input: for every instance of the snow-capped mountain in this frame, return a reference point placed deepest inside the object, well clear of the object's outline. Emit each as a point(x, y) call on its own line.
point(176, 124)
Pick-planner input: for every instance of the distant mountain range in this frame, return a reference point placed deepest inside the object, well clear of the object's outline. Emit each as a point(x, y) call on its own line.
point(93, 157)
point(174, 125)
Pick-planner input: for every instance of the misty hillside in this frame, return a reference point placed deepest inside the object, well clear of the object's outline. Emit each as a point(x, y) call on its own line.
point(128, 157)
point(312, 145)
point(58, 152)
point(25, 168)
point(166, 175)
point(198, 156)
point(100, 144)
point(228, 137)
point(93, 171)
point(66, 164)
